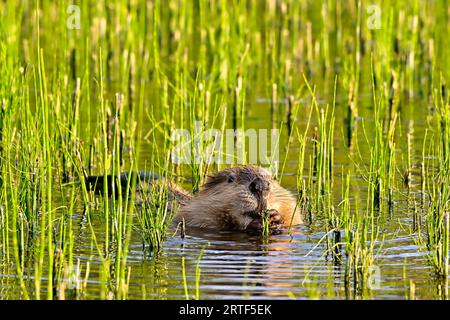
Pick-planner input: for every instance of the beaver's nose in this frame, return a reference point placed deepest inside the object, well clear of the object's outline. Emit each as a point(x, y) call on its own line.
point(259, 186)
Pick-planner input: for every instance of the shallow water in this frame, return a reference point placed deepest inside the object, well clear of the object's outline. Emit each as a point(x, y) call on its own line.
point(235, 265)
point(239, 266)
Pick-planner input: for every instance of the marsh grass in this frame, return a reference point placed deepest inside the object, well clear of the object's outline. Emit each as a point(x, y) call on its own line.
point(105, 99)
point(196, 295)
point(265, 217)
point(435, 241)
point(154, 215)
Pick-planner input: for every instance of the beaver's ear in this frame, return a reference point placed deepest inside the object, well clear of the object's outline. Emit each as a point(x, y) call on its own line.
point(219, 177)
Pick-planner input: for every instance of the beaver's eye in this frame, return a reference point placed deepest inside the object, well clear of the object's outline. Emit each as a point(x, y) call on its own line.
point(231, 178)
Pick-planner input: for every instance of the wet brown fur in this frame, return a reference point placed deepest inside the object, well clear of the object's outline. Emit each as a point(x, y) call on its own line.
point(231, 199)
point(226, 202)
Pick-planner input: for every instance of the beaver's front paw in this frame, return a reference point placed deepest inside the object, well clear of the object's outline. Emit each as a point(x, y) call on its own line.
point(275, 223)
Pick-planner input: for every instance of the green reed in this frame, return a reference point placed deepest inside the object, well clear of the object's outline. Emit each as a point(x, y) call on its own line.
point(100, 99)
point(265, 220)
point(196, 295)
point(436, 240)
point(323, 153)
point(361, 237)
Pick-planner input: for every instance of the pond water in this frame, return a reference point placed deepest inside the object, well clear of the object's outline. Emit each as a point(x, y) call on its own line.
point(236, 265)
point(223, 264)
point(240, 266)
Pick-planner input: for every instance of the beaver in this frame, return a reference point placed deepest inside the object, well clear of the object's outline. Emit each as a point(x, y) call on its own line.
point(231, 199)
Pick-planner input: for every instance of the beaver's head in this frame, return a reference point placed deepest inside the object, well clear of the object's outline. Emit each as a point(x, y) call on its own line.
point(242, 190)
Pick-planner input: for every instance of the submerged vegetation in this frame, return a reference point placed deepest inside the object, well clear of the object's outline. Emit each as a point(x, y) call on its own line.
point(355, 92)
